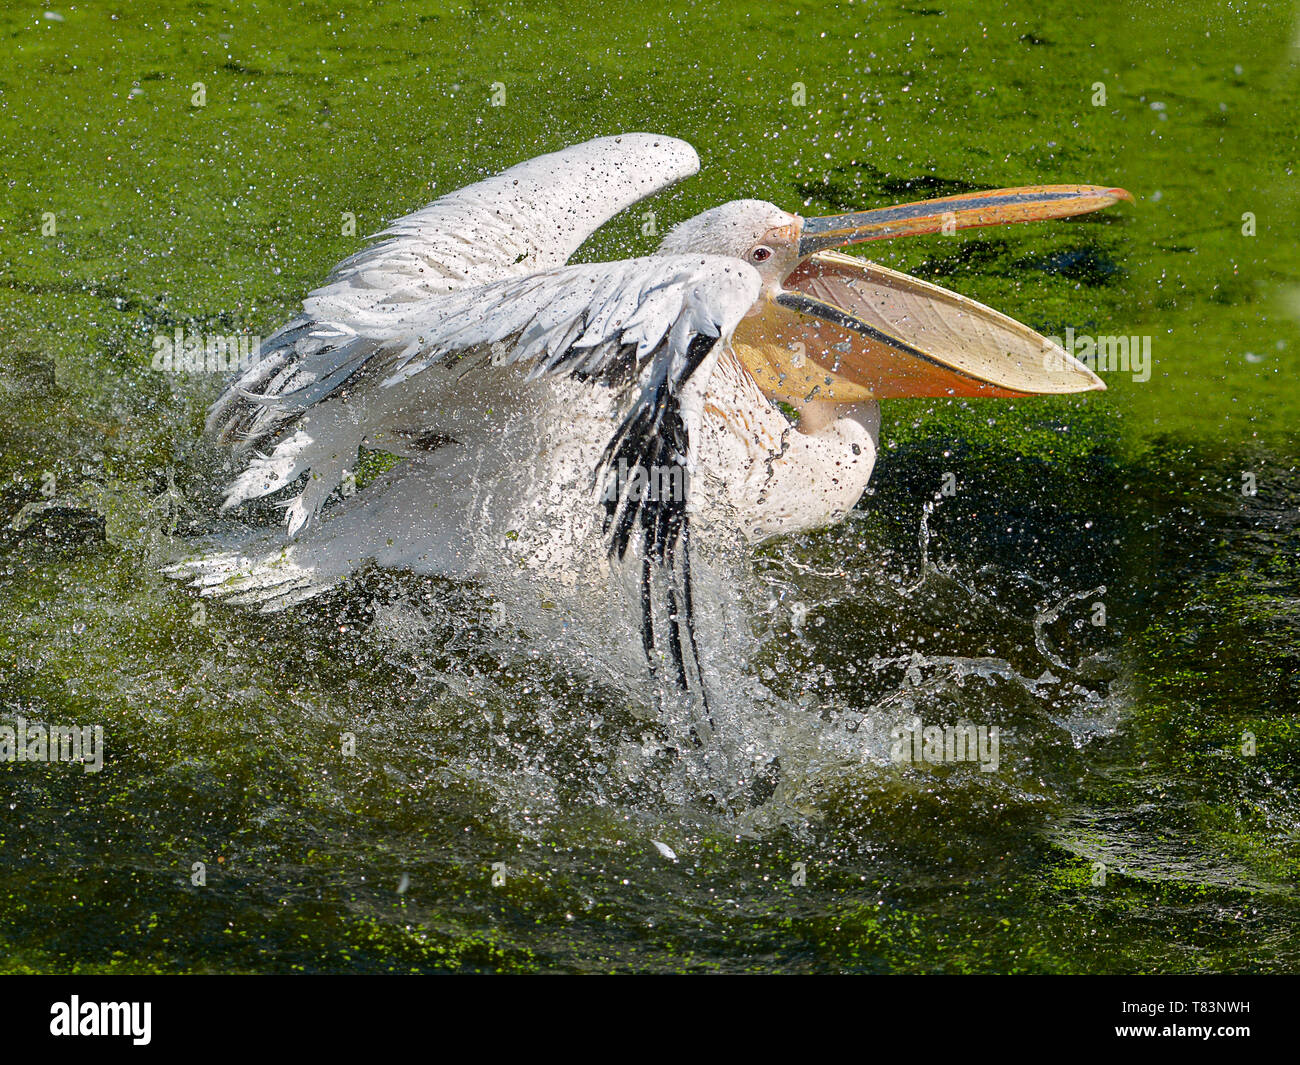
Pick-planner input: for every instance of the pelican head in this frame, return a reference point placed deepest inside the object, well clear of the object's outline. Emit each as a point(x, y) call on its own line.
point(830, 327)
point(759, 232)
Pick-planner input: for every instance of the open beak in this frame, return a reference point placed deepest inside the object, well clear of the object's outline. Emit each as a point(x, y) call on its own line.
point(846, 330)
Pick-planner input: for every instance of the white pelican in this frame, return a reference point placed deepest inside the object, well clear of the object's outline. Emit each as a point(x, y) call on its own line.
point(540, 408)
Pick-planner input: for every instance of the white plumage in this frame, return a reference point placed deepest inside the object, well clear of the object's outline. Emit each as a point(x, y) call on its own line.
point(519, 390)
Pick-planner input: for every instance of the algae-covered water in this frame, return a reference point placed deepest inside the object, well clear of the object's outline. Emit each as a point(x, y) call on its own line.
point(385, 780)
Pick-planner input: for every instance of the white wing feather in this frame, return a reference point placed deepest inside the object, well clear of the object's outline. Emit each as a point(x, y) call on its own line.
point(480, 275)
point(649, 326)
point(529, 218)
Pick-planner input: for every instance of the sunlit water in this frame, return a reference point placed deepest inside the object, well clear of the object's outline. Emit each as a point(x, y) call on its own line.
point(422, 774)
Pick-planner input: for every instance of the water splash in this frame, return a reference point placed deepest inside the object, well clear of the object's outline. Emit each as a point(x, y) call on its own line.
point(563, 710)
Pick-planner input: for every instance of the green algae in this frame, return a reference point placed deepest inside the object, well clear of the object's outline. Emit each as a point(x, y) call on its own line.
point(220, 217)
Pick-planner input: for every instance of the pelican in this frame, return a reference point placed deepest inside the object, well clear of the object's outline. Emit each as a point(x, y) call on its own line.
point(539, 407)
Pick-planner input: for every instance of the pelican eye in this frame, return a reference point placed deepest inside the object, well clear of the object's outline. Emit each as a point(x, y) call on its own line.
point(761, 254)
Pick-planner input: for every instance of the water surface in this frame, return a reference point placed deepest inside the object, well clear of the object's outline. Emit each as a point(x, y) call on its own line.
point(1124, 829)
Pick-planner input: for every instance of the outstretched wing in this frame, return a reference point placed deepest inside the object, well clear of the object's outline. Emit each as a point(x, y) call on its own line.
point(650, 328)
point(528, 219)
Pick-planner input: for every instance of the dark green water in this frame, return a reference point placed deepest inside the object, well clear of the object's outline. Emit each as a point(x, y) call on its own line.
point(1122, 744)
